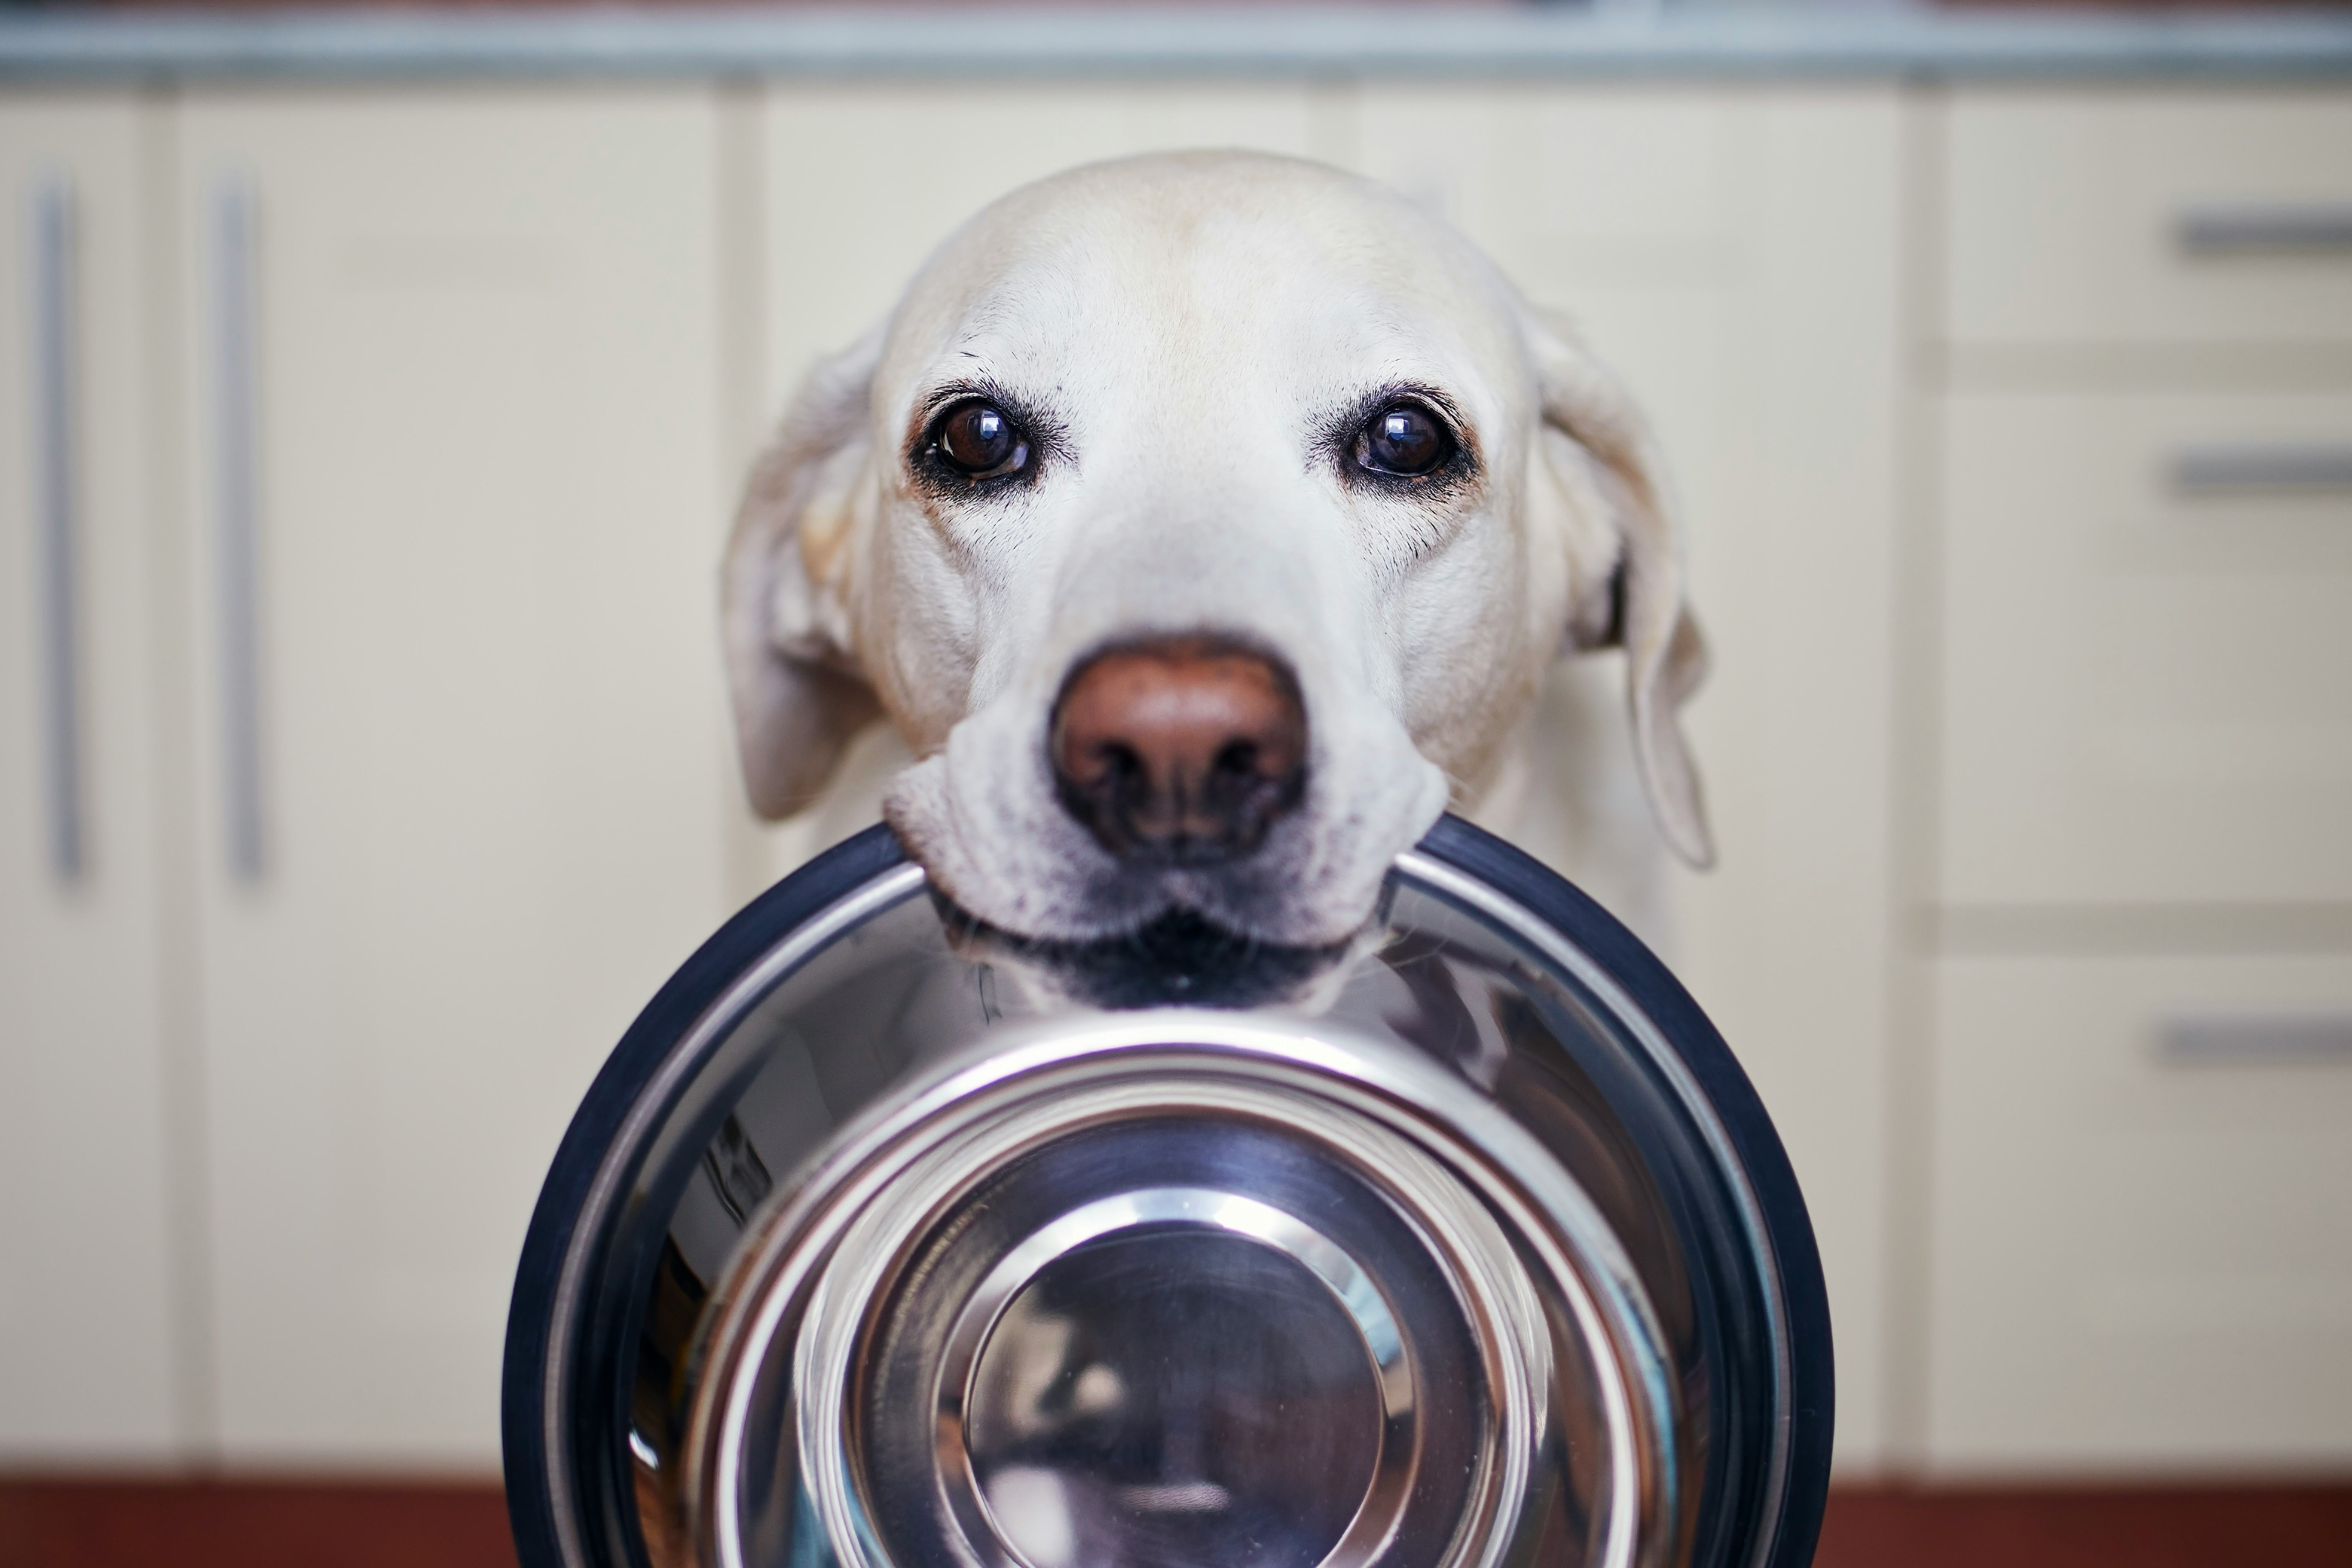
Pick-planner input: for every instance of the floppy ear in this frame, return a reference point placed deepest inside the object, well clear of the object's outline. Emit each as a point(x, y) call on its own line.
point(800, 698)
point(1593, 432)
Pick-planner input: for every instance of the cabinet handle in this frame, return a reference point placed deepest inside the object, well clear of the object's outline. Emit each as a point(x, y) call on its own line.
point(2223, 1039)
point(236, 523)
point(2211, 466)
point(56, 523)
point(2313, 230)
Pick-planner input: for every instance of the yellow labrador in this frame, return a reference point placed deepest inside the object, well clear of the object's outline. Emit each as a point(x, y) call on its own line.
point(1204, 523)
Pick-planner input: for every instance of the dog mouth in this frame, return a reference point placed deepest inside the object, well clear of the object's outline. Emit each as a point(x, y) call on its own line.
point(1179, 958)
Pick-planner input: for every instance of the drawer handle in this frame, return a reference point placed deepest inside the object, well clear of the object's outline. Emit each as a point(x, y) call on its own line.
point(236, 524)
point(56, 524)
point(2254, 230)
point(2228, 1039)
point(2211, 468)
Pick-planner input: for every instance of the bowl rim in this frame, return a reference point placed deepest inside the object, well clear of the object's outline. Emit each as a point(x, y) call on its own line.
point(538, 1498)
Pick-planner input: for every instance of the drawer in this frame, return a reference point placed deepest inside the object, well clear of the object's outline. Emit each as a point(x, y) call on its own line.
point(2147, 682)
point(2141, 1242)
point(2155, 217)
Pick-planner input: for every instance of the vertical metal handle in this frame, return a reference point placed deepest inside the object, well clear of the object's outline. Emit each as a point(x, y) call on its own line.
point(236, 523)
point(55, 449)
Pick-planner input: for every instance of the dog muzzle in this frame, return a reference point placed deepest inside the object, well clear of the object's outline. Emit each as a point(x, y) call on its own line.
point(883, 1242)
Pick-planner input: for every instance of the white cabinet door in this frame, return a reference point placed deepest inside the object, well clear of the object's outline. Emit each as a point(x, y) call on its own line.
point(456, 531)
point(2143, 1250)
point(1735, 255)
point(86, 1289)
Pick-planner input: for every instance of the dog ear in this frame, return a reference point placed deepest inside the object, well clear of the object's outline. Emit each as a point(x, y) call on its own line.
point(1593, 432)
point(800, 698)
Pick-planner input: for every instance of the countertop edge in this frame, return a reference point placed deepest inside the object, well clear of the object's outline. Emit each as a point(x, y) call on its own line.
point(1321, 42)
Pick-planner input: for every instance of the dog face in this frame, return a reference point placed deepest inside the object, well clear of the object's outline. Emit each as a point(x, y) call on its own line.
point(1204, 522)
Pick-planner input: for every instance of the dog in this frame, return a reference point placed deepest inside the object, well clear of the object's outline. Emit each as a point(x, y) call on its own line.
point(1204, 525)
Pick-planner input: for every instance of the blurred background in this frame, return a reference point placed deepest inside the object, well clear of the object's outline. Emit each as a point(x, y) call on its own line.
point(373, 392)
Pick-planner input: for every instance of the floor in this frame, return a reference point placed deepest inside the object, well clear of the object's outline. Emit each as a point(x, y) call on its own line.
point(252, 1524)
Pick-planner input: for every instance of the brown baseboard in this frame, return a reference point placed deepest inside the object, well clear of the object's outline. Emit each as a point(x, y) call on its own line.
point(2148, 1526)
point(68, 1523)
point(72, 1523)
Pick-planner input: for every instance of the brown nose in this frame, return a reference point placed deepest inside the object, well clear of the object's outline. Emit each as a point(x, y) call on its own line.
point(1182, 751)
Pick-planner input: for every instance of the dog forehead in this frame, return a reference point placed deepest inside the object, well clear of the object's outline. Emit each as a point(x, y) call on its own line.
point(1219, 268)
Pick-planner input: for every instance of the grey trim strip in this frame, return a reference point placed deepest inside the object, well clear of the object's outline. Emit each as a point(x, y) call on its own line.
point(2251, 1040)
point(236, 523)
point(1158, 41)
point(56, 442)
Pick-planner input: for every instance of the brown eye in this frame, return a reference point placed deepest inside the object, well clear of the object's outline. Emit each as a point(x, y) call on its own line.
point(980, 440)
point(1404, 439)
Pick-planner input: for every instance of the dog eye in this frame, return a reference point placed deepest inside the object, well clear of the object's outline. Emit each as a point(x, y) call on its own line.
point(980, 440)
point(1404, 439)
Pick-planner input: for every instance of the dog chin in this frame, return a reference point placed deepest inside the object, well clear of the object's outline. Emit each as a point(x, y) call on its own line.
point(1012, 862)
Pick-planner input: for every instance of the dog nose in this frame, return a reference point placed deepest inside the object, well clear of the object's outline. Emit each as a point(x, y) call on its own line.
point(1181, 750)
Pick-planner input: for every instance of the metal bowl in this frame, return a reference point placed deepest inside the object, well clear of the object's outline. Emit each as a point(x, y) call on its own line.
point(886, 1241)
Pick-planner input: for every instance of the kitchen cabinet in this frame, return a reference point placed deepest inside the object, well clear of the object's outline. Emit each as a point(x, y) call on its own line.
point(2133, 989)
point(452, 454)
point(1734, 255)
point(93, 1299)
point(405, 430)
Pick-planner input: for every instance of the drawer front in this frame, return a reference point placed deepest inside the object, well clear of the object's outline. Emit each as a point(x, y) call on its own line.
point(2149, 217)
point(2147, 631)
point(2142, 1246)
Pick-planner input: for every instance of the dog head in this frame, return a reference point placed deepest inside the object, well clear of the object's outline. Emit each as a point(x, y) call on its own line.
point(1204, 522)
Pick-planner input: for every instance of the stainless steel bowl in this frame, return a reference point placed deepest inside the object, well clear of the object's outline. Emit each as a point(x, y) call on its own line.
point(884, 1241)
